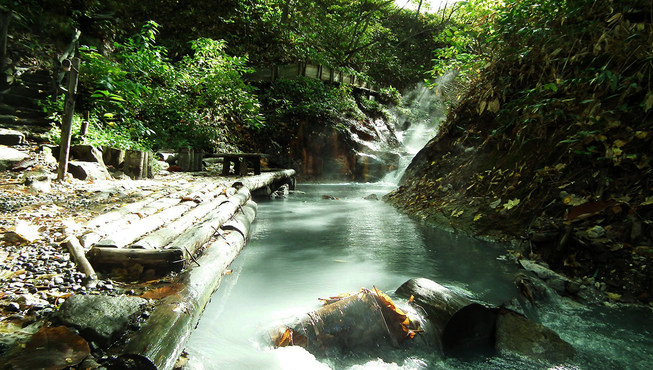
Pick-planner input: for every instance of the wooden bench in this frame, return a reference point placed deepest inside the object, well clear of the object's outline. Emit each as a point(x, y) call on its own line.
point(240, 162)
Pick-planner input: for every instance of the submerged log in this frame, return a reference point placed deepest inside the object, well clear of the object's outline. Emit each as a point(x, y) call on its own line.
point(462, 326)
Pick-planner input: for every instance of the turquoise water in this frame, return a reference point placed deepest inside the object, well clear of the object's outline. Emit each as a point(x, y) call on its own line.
point(306, 247)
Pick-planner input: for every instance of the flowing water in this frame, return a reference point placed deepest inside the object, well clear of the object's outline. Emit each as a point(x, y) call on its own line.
point(306, 247)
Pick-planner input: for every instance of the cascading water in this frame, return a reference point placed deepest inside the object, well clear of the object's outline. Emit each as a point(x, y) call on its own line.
point(418, 121)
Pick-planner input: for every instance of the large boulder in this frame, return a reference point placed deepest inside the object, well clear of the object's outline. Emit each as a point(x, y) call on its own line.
point(101, 318)
point(9, 157)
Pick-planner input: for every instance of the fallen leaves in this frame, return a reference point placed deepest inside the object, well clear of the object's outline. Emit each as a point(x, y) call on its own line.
point(52, 348)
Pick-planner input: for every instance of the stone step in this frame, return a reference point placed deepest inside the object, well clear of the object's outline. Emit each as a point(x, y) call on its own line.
point(7, 119)
point(39, 76)
point(22, 112)
point(19, 101)
point(26, 91)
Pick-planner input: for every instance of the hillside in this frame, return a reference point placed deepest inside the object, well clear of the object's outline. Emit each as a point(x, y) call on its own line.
point(551, 145)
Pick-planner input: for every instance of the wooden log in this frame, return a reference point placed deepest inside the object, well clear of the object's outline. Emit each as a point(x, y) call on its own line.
point(163, 336)
point(77, 251)
point(163, 260)
point(136, 230)
point(265, 178)
point(242, 220)
point(131, 213)
point(194, 238)
point(459, 324)
point(168, 233)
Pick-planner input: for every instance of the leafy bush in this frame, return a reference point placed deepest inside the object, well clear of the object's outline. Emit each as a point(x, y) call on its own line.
point(142, 94)
point(309, 98)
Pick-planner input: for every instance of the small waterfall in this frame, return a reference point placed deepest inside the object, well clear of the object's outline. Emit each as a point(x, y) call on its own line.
point(417, 121)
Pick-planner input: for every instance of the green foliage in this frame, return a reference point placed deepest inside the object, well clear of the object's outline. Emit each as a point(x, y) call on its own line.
point(309, 98)
point(144, 95)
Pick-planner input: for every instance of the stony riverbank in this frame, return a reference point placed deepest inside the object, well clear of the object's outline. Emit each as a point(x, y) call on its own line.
point(44, 295)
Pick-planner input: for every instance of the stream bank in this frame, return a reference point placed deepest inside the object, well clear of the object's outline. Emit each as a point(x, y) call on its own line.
point(44, 296)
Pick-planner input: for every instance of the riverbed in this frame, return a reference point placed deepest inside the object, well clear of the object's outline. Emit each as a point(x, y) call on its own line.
point(311, 246)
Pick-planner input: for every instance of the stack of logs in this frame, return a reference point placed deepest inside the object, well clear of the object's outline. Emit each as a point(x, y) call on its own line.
point(163, 232)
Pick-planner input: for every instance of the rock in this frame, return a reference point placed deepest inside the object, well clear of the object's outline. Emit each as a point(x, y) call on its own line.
point(371, 197)
point(38, 181)
point(9, 157)
point(281, 193)
point(86, 153)
point(595, 232)
point(11, 137)
point(517, 335)
point(100, 318)
point(88, 170)
point(329, 197)
point(558, 282)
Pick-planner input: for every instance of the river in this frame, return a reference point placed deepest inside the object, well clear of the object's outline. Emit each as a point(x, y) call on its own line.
point(306, 247)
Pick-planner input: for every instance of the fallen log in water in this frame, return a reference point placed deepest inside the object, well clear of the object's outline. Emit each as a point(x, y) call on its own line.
point(359, 321)
point(459, 323)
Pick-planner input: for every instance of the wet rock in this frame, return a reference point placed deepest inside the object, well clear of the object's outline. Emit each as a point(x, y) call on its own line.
point(518, 335)
point(9, 157)
point(557, 282)
point(11, 137)
point(281, 193)
point(101, 318)
point(88, 170)
point(329, 197)
point(371, 197)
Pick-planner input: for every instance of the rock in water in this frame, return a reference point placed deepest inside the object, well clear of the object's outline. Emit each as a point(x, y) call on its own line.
point(519, 335)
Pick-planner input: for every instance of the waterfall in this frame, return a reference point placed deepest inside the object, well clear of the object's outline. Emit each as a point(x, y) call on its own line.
point(417, 121)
